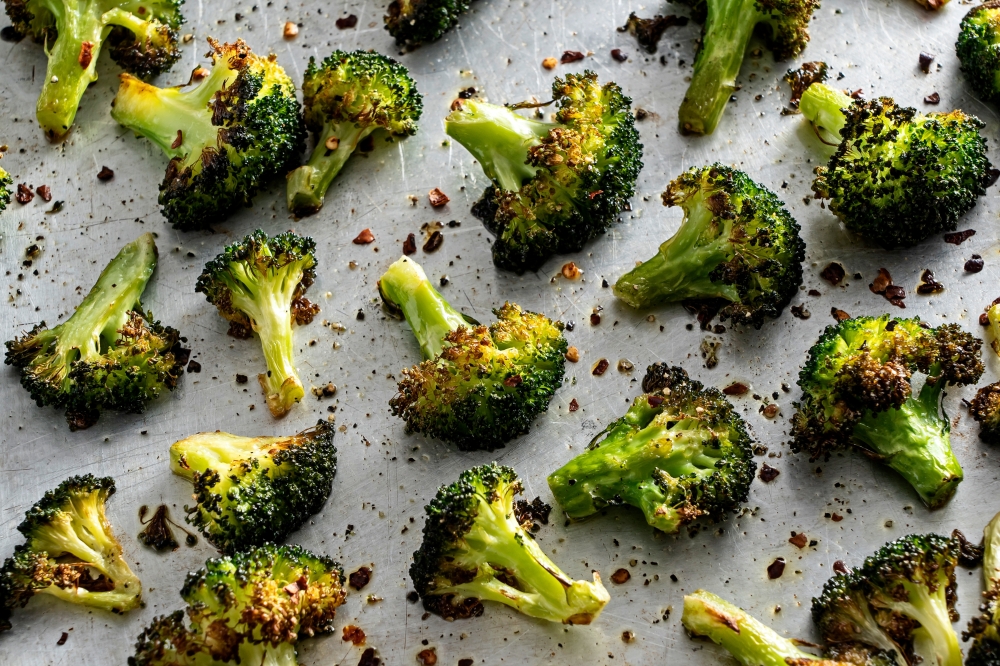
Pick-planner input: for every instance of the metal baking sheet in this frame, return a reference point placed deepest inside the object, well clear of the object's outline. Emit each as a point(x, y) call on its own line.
point(374, 515)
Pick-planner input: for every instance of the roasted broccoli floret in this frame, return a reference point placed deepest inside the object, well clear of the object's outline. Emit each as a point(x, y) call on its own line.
point(346, 98)
point(985, 408)
point(5, 184)
point(476, 549)
point(985, 628)
point(681, 452)
point(226, 136)
point(897, 176)
point(110, 354)
point(737, 243)
point(978, 48)
point(478, 387)
point(251, 608)
point(416, 22)
point(69, 552)
point(251, 490)
point(900, 602)
point(555, 185)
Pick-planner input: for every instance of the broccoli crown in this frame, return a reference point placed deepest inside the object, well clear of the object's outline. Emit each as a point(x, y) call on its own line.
point(679, 453)
point(900, 602)
point(737, 243)
point(985, 628)
point(250, 490)
point(555, 185)
point(110, 354)
point(226, 136)
point(985, 408)
point(416, 22)
point(978, 49)
point(475, 548)
point(5, 184)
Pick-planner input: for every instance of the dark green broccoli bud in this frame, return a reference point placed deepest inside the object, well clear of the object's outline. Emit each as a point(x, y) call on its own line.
point(346, 98)
point(900, 602)
point(978, 49)
point(985, 628)
point(109, 354)
point(475, 549)
point(985, 408)
point(226, 136)
point(69, 552)
point(737, 243)
point(251, 490)
point(555, 185)
point(259, 285)
point(898, 176)
point(479, 387)
point(416, 22)
point(680, 453)
point(5, 184)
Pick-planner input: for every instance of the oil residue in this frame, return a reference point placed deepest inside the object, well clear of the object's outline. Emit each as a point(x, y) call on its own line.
point(157, 534)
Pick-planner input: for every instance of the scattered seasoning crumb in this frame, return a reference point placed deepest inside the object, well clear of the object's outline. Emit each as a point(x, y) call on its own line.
point(925, 60)
point(933, 98)
point(571, 56)
point(410, 245)
point(327, 391)
point(465, 662)
point(600, 367)
point(776, 568)
point(628, 636)
point(45, 192)
point(466, 93)
point(929, 284)
point(573, 405)
point(595, 319)
point(879, 284)
point(814, 292)
point(620, 577)
point(291, 30)
point(24, 195)
point(959, 237)
point(62, 639)
point(799, 540)
point(364, 238)
point(412, 596)
point(767, 473)
point(358, 579)
point(434, 242)
point(984, 319)
point(836, 517)
point(839, 315)
point(550, 63)
point(437, 198)
point(427, 657)
point(346, 22)
point(618, 56)
point(833, 273)
point(625, 365)
point(193, 366)
point(770, 411)
point(178, 140)
point(105, 174)
point(800, 312)
point(571, 271)
point(710, 351)
point(368, 658)
point(974, 265)
point(840, 568)
point(736, 388)
point(970, 555)
point(572, 354)
point(353, 634)
point(241, 379)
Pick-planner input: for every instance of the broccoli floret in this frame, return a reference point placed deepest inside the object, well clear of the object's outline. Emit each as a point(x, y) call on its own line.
point(897, 176)
point(476, 549)
point(737, 243)
point(679, 453)
point(985, 408)
point(555, 185)
point(416, 22)
point(259, 285)
point(978, 49)
point(985, 628)
point(251, 490)
point(346, 98)
point(110, 354)
point(478, 387)
point(226, 136)
point(69, 552)
point(900, 602)
point(251, 608)
point(5, 184)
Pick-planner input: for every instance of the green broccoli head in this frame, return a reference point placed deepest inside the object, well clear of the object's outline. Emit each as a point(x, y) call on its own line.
point(259, 284)
point(346, 98)
point(226, 135)
point(480, 386)
point(555, 185)
point(985, 408)
point(476, 549)
point(737, 243)
point(251, 490)
point(110, 354)
point(5, 184)
point(416, 22)
point(680, 453)
point(978, 49)
point(985, 628)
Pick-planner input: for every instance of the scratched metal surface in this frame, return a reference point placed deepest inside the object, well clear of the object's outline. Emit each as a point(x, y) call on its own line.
point(386, 476)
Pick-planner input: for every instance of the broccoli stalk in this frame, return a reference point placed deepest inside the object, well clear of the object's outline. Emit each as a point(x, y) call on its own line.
point(5, 182)
point(985, 628)
point(825, 107)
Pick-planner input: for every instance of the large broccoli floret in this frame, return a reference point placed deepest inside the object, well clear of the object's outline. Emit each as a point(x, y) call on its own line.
point(555, 185)
point(5, 183)
point(416, 22)
point(69, 552)
point(477, 549)
point(736, 243)
point(478, 387)
point(109, 354)
point(985, 628)
point(681, 452)
point(346, 98)
point(898, 176)
point(978, 48)
point(226, 136)
point(251, 490)
point(985, 408)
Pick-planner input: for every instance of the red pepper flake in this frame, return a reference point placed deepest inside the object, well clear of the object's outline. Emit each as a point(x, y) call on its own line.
point(984, 319)
point(178, 141)
point(836, 517)
point(44, 192)
point(776, 568)
point(618, 56)
point(86, 54)
point(434, 242)
point(654, 400)
point(833, 273)
point(595, 194)
point(595, 319)
point(974, 265)
point(814, 292)
point(839, 315)
point(571, 56)
point(736, 388)
point(959, 237)
point(767, 473)
point(840, 568)
point(513, 381)
point(427, 657)
point(24, 195)
point(364, 238)
point(573, 405)
point(799, 540)
point(879, 284)
point(347, 22)
point(857, 93)
point(925, 61)
point(437, 198)
point(933, 98)
point(62, 639)
point(358, 579)
point(895, 294)
point(929, 284)
point(410, 245)
point(353, 634)
point(600, 367)
point(620, 577)
point(105, 174)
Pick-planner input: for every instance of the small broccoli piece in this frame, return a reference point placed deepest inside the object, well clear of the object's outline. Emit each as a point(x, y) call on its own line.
point(416, 22)
point(737, 243)
point(69, 552)
point(555, 185)
point(985, 628)
point(110, 354)
point(251, 490)
point(5, 184)
point(978, 49)
point(476, 549)
point(226, 136)
point(648, 31)
point(900, 602)
point(897, 176)
point(680, 452)
point(259, 285)
point(479, 387)
point(346, 98)
point(985, 408)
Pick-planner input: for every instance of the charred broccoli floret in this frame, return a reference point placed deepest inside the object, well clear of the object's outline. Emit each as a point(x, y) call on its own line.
point(478, 387)
point(226, 136)
point(110, 354)
point(978, 49)
point(681, 452)
point(346, 98)
point(416, 22)
point(897, 176)
point(69, 552)
point(5, 183)
point(985, 408)
point(251, 490)
point(985, 628)
point(555, 185)
point(737, 243)
point(476, 549)
point(251, 608)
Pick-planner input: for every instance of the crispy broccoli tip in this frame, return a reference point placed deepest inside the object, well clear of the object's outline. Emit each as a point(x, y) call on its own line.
point(737, 243)
point(416, 22)
point(475, 549)
point(680, 453)
point(6, 182)
point(985, 408)
point(555, 186)
point(978, 48)
point(985, 628)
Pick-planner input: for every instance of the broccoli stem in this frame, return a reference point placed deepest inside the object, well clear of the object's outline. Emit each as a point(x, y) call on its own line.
point(823, 106)
point(266, 654)
point(935, 640)
point(993, 315)
point(216, 450)
point(991, 553)
point(405, 285)
point(308, 184)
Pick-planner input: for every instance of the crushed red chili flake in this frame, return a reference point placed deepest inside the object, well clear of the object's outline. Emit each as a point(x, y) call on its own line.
point(776, 568)
point(593, 195)
point(929, 284)
point(879, 284)
point(513, 381)
point(62, 639)
point(86, 54)
point(839, 315)
point(437, 198)
point(984, 319)
point(814, 292)
point(45, 192)
point(595, 319)
point(618, 56)
point(767, 473)
point(833, 273)
point(354, 635)
point(427, 657)
point(178, 140)
point(410, 245)
point(736, 388)
point(24, 195)
point(959, 237)
point(857, 94)
point(573, 405)
point(974, 265)
point(105, 174)
point(434, 242)
point(933, 98)
point(620, 577)
point(799, 540)
point(836, 517)
point(839, 567)
point(358, 579)
point(571, 56)
point(600, 367)
point(654, 400)
point(364, 238)
point(925, 60)
point(346, 22)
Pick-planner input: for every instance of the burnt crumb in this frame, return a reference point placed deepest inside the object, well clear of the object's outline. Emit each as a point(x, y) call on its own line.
point(649, 31)
point(24, 195)
point(833, 273)
point(364, 238)
point(799, 540)
point(574, 405)
point(767, 473)
point(984, 319)
point(465, 662)
point(358, 579)
point(839, 315)
point(994, 174)
point(959, 237)
point(814, 292)
point(354, 635)
point(193, 366)
point(925, 60)
point(427, 657)
point(595, 319)
point(346, 22)
point(412, 596)
point(705, 309)
point(974, 265)
point(326, 391)
point(970, 555)
point(239, 331)
point(736, 388)
point(571, 56)
point(157, 533)
point(600, 367)
point(803, 77)
point(45, 192)
point(929, 284)
point(65, 636)
point(304, 311)
point(933, 98)
point(620, 577)
point(368, 658)
point(710, 351)
point(10, 34)
point(437, 198)
point(836, 517)
point(56, 207)
point(641, 113)
point(410, 245)
point(434, 242)
point(360, 316)
point(840, 568)
point(529, 512)
point(32, 251)
point(618, 56)
point(467, 93)
point(800, 312)
point(883, 285)
point(776, 568)
point(241, 379)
